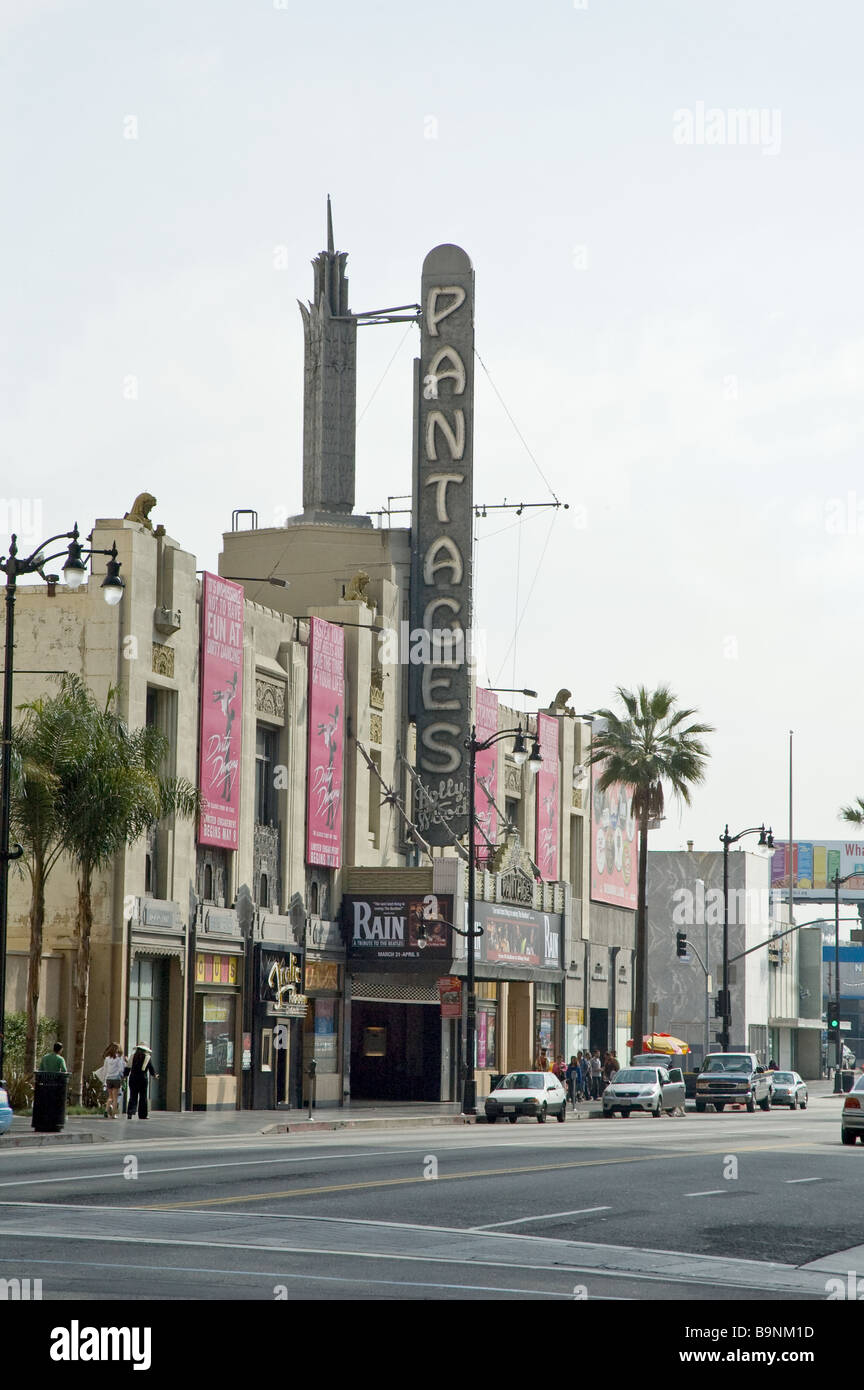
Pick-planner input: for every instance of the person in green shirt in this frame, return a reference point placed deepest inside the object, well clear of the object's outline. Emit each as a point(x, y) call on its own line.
point(53, 1061)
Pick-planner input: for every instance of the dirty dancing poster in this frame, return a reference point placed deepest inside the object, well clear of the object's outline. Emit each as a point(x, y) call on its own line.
point(221, 711)
point(547, 798)
point(326, 744)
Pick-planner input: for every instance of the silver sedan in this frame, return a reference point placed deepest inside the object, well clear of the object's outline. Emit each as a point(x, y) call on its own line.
point(789, 1089)
point(652, 1089)
point(852, 1118)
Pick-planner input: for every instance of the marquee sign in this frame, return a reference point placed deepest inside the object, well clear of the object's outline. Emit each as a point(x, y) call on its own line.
point(392, 931)
point(441, 539)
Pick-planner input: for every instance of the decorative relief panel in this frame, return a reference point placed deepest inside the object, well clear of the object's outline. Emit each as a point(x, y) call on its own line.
point(576, 800)
point(270, 698)
point(512, 779)
point(376, 688)
point(375, 728)
point(163, 660)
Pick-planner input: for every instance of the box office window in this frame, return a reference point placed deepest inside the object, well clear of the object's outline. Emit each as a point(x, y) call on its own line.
point(215, 1025)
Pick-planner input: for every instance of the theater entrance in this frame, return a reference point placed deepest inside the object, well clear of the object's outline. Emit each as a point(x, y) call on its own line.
point(395, 1051)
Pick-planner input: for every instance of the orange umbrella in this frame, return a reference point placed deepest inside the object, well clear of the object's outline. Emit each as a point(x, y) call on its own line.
point(663, 1042)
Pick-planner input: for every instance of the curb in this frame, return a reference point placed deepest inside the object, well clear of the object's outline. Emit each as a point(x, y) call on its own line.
point(394, 1122)
point(37, 1141)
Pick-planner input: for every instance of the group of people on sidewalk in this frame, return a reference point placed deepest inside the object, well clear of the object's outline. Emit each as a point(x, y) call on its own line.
point(587, 1075)
point(116, 1069)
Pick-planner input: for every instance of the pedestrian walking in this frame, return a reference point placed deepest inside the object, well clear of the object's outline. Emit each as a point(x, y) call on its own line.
point(139, 1070)
point(586, 1075)
point(112, 1070)
point(596, 1074)
point(560, 1068)
point(53, 1060)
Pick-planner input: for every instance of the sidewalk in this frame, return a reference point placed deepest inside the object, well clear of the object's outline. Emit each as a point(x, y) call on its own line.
point(239, 1124)
point(234, 1124)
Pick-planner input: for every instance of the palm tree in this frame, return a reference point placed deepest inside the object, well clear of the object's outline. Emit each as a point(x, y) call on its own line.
point(108, 799)
point(853, 815)
point(47, 737)
point(649, 745)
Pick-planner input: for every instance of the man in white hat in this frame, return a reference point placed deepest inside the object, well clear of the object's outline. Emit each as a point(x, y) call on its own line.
point(140, 1068)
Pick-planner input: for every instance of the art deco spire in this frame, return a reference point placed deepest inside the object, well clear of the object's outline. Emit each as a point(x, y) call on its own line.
point(330, 387)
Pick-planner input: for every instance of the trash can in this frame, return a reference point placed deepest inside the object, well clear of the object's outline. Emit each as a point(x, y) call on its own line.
point(49, 1101)
point(848, 1080)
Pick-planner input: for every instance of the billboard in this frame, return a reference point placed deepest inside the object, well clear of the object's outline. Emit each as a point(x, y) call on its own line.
point(442, 520)
point(326, 714)
point(221, 711)
point(517, 936)
point(815, 863)
point(546, 844)
point(486, 770)
point(384, 929)
point(614, 846)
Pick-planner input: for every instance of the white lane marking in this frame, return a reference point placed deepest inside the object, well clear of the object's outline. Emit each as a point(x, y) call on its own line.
point(549, 1216)
point(794, 1180)
point(715, 1192)
point(326, 1278)
point(716, 1280)
point(194, 1167)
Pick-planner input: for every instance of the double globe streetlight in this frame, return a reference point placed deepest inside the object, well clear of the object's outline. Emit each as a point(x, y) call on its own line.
point(766, 842)
point(74, 574)
point(521, 756)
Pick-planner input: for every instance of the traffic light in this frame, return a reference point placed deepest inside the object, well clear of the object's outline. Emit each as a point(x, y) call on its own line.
point(721, 1008)
point(833, 1016)
point(681, 943)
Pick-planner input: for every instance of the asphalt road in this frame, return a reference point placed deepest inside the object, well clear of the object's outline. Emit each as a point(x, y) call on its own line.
point(729, 1206)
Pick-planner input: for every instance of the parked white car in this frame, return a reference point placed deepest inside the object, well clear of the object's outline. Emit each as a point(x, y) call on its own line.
point(535, 1093)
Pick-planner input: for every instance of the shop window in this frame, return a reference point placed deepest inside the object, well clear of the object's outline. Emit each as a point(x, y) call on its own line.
point(267, 1050)
point(487, 1035)
point(216, 1032)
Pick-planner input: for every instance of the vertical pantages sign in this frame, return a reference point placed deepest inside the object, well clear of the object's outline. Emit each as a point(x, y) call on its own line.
point(546, 840)
point(486, 773)
point(441, 542)
point(326, 713)
point(221, 711)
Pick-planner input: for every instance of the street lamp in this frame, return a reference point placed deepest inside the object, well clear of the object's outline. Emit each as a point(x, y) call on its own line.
point(75, 572)
point(766, 841)
point(838, 1046)
point(521, 756)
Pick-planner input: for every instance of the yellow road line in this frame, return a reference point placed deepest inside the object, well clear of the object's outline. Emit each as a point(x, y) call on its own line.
point(459, 1177)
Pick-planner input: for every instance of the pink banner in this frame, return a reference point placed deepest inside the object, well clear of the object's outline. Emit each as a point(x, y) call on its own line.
point(614, 851)
point(547, 798)
point(221, 711)
point(326, 744)
point(486, 774)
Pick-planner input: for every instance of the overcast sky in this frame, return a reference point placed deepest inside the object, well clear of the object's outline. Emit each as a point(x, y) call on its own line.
point(669, 304)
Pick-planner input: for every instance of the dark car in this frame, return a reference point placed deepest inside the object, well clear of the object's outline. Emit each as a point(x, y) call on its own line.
point(733, 1078)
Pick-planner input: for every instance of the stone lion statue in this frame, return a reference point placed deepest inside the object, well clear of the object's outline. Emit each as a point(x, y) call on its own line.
point(141, 509)
point(356, 589)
